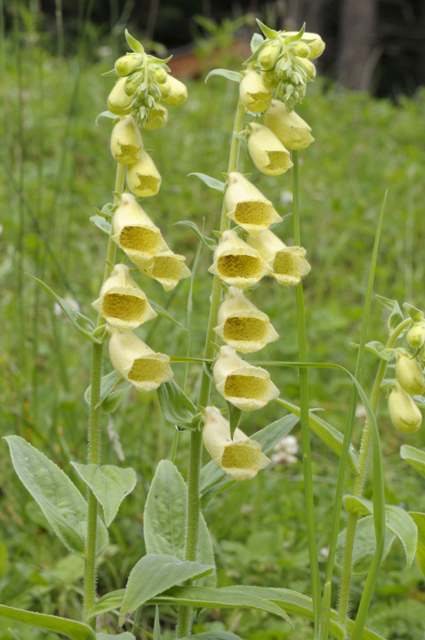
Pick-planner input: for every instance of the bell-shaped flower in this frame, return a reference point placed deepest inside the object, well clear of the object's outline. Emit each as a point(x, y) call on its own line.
point(134, 232)
point(157, 118)
point(254, 94)
point(239, 457)
point(245, 386)
point(121, 302)
point(137, 363)
point(118, 100)
point(404, 413)
point(269, 54)
point(174, 91)
point(128, 63)
point(247, 206)
point(166, 267)
point(236, 263)
point(267, 152)
point(409, 374)
point(242, 325)
point(126, 141)
point(288, 126)
point(416, 335)
point(288, 265)
point(143, 178)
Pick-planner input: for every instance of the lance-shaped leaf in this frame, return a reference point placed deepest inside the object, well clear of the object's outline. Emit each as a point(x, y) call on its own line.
point(62, 504)
point(109, 484)
point(214, 635)
point(177, 408)
point(234, 76)
point(114, 636)
point(419, 519)
point(69, 628)
point(413, 456)
point(211, 182)
point(154, 574)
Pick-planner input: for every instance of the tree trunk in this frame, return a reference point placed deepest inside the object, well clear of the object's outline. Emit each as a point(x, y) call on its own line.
point(357, 38)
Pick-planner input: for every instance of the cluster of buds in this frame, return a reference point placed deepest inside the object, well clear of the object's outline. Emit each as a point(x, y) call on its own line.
point(250, 250)
point(410, 381)
point(122, 303)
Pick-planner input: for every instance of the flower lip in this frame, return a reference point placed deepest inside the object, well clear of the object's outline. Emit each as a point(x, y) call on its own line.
point(166, 267)
point(288, 265)
point(267, 152)
point(288, 126)
point(236, 263)
point(143, 178)
point(247, 206)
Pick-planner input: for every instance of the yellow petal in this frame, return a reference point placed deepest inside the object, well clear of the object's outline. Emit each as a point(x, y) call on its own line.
point(254, 94)
point(143, 178)
point(236, 263)
point(166, 267)
point(174, 92)
point(157, 118)
point(288, 126)
point(126, 141)
point(247, 206)
point(405, 415)
point(288, 265)
point(118, 101)
point(409, 374)
point(267, 152)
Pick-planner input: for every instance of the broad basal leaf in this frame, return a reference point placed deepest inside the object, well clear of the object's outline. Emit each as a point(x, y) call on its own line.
point(413, 456)
point(365, 545)
point(69, 628)
point(62, 504)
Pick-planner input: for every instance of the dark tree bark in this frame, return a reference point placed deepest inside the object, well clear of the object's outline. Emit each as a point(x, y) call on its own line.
point(356, 60)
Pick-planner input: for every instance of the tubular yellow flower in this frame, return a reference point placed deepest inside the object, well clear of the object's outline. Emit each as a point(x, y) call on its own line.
point(166, 267)
point(267, 152)
point(288, 265)
point(157, 118)
point(240, 457)
point(121, 302)
point(137, 363)
point(405, 415)
point(245, 386)
point(118, 101)
point(409, 374)
point(128, 63)
point(126, 141)
point(134, 232)
point(143, 178)
point(416, 335)
point(242, 325)
point(288, 126)
point(236, 263)
point(247, 206)
point(254, 94)
point(315, 43)
point(174, 91)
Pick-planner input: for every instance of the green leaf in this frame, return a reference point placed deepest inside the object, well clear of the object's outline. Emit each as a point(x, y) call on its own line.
point(101, 224)
point(109, 602)
point(69, 628)
point(267, 31)
point(163, 312)
point(157, 625)
point(153, 574)
point(234, 76)
point(108, 115)
point(412, 311)
point(365, 544)
point(395, 313)
point(256, 41)
point(165, 518)
point(330, 436)
point(397, 521)
point(212, 477)
point(133, 43)
point(235, 416)
point(210, 243)
point(213, 635)
point(379, 350)
point(82, 323)
point(62, 504)
point(107, 385)
point(413, 456)
point(211, 182)
point(419, 520)
point(114, 636)
point(176, 407)
point(109, 484)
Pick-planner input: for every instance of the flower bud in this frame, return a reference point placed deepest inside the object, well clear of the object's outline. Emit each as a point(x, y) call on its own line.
point(126, 141)
point(247, 206)
point(288, 126)
point(136, 362)
point(270, 80)
point(166, 267)
point(134, 232)
point(128, 63)
point(409, 374)
point(121, 302)
point(269, 54)
point(157, 118)
point(405, 415)
point(302, 49)
point(174, 92)
point(308, 67)
point(288, 265)
point(416, 335)
point(315, 43)
point(133, 82)
point(118, 101)
point(236, 263)
point(253, 92)
point(240, 457)
point(160, 75)
point(143, 178)
point(246, 387)
point(242, 325)
point(267, 152)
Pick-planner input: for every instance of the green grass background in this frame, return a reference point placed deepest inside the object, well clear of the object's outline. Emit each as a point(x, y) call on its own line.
point(56, 171)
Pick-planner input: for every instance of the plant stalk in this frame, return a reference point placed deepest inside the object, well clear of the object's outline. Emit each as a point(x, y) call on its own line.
point(193, 495)
point(94, 431)
point(304, 416)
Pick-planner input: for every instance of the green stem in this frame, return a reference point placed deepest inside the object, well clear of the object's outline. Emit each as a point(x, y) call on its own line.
point(193, 496)
point(94, 432)
point(361, 476)
point(305, 417)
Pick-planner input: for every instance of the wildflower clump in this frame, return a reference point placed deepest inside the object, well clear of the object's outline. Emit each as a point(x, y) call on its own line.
point(273, 81)
point(137, 103)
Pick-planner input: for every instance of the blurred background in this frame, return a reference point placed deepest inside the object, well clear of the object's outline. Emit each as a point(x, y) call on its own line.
point(367, 112)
